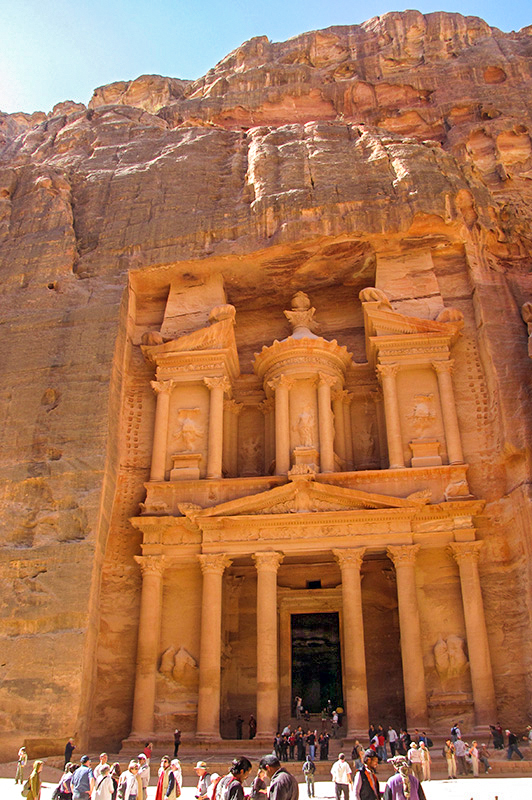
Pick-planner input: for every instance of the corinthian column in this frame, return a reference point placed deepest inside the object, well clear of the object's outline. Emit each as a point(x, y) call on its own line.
point(339, 423)
point(212, 567)
point(217, 387)
point(230, 443)
point(466, 555)
point(281, 387)
point(347, 398)
point(356, 692)
point(325, 422)
point(148, 643)
point(267, 657)
point(160, 430)
point(387, 374)
point(269, 433)
point(404, 559)
point(443, 370)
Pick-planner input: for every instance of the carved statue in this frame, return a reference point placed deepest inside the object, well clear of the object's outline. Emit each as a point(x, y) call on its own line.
point(450, 658)
point(179, 666)
point(305, 428)
point(250, 456)
point(188, 430)
point(301, 317)
point(456, 488)
point(151, 338)
point(373, 295)
point(450, 315)
point(422, 415)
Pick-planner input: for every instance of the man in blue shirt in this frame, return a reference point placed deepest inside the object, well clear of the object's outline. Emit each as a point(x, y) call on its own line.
point(83, 780)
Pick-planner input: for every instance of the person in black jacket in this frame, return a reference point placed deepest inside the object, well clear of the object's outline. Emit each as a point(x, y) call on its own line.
point(366, 780)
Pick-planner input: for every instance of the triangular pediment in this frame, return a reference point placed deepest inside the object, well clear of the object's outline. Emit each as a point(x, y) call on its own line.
point(303, 495)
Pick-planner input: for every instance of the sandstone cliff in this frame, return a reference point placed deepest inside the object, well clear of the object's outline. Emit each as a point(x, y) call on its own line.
point(337, 157)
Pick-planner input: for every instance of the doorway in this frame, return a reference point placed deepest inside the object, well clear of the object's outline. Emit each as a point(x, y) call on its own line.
point(316, 660)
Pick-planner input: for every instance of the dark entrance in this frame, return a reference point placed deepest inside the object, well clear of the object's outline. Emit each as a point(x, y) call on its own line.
point(316, 662)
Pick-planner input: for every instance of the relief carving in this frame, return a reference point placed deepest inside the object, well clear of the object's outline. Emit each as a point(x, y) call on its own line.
point(189, 430)
point(180, 667)
point(305, 428)
point(422, 415)
point(251, 457)
point(450, 657)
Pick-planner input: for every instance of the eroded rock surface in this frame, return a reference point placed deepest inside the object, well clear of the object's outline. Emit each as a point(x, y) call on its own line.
point(395, 154)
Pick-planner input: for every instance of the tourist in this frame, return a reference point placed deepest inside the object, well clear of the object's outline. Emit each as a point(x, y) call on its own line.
point(129, 786)
point(309, 768)
point(64, 787)
point(381, 743)
point(283, 785)
point(414, 757)
point(204, 780)
point(455, 732)
point(448, 752)
point(230, 786)
point(323, 742)
point(311, 741)
point(341, 775)
point(215, 779)
point(175, 779)
point(393, 738)
point(334, 723)
point(69, 749)
point(98, 768)
point(298, 702)
point(366, 781)
point(512, 746)
point(473, 755)
point(34, 781)
point(484, 755)
point(460, 751)
point(252, 725)
point(115, 773)
point(291, 745)
point(83, 780)
point(144, 772)
point(371, 732)
point(498, 737)
point(405, 740)
point(104, 786)
point(425, 760)
point(259, 790)
point(403, 785)
point(177, 741)
point(357, 754)
point(239, 722)
point(300, 744)
point(21, 763)
point(162, 778)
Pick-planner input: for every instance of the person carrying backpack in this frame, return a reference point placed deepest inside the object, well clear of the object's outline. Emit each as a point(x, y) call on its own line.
point(309, 768)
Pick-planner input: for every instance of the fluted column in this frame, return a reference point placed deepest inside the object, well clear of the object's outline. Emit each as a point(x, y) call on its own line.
point(443, 370)
point(356, 692)
point(212, 567)
point(281, 387)
point(217, 387)
point(466, 555)
point(325, 422)
point(160, 431)
point(404, 559)
point(269, 433)
point(347, 398)
point(267, 656)
point(387, 375)
point(149, 633)
point(339, 423)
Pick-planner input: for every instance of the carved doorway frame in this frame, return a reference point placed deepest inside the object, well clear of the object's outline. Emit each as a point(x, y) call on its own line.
point(301, 601)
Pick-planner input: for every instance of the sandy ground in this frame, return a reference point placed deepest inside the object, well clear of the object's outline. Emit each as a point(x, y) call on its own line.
point(463, 789)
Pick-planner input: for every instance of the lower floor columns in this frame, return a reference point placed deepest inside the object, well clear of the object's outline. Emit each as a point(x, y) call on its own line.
point(267, 632)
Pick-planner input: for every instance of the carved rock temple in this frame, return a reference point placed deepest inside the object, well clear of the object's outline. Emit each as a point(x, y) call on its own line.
point(266, 391)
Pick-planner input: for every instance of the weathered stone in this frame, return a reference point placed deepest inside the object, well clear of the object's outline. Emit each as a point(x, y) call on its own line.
point(393, 157)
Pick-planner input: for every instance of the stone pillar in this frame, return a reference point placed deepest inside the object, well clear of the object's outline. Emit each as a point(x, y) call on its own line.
point(217, 387)
point(212, 567)
point(466, 555)
point(230, 443)
point(163, 390)
point(443, 370)
point(269, 433)
point(325, 422)
point(148, 644)
point(387, 374)
point(339, 423)
point(347, 397)
point(404, 558)
point(281, 387)
point(381, 425)
point(267, 656)
point(356, 693)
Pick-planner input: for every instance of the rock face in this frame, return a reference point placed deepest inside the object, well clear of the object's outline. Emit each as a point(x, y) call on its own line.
point(397, 155)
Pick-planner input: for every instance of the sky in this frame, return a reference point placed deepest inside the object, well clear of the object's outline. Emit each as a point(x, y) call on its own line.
point(55, 50)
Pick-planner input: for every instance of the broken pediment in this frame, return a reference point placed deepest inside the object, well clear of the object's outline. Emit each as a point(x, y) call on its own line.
point(305, 495)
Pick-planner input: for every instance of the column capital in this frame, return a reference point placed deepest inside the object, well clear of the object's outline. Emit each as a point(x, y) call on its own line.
point(214, 563)
point(281, 382)
point(340, 394)
point(233, 407)
point(350, 557)
point(220, 381)
point(268, 560)
point(376, 395)
point(160, 387)
point(443, 366)
point(403, 554)
point(326, 380)
point(150, 565)
point(465, 551)
point(387, 371)
point(267, 406)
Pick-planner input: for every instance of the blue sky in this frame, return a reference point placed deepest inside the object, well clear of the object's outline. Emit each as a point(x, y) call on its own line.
point(54, 50)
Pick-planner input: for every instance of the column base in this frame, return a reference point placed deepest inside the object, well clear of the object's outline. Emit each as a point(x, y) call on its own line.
point(482, 731)
point(208, 737)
